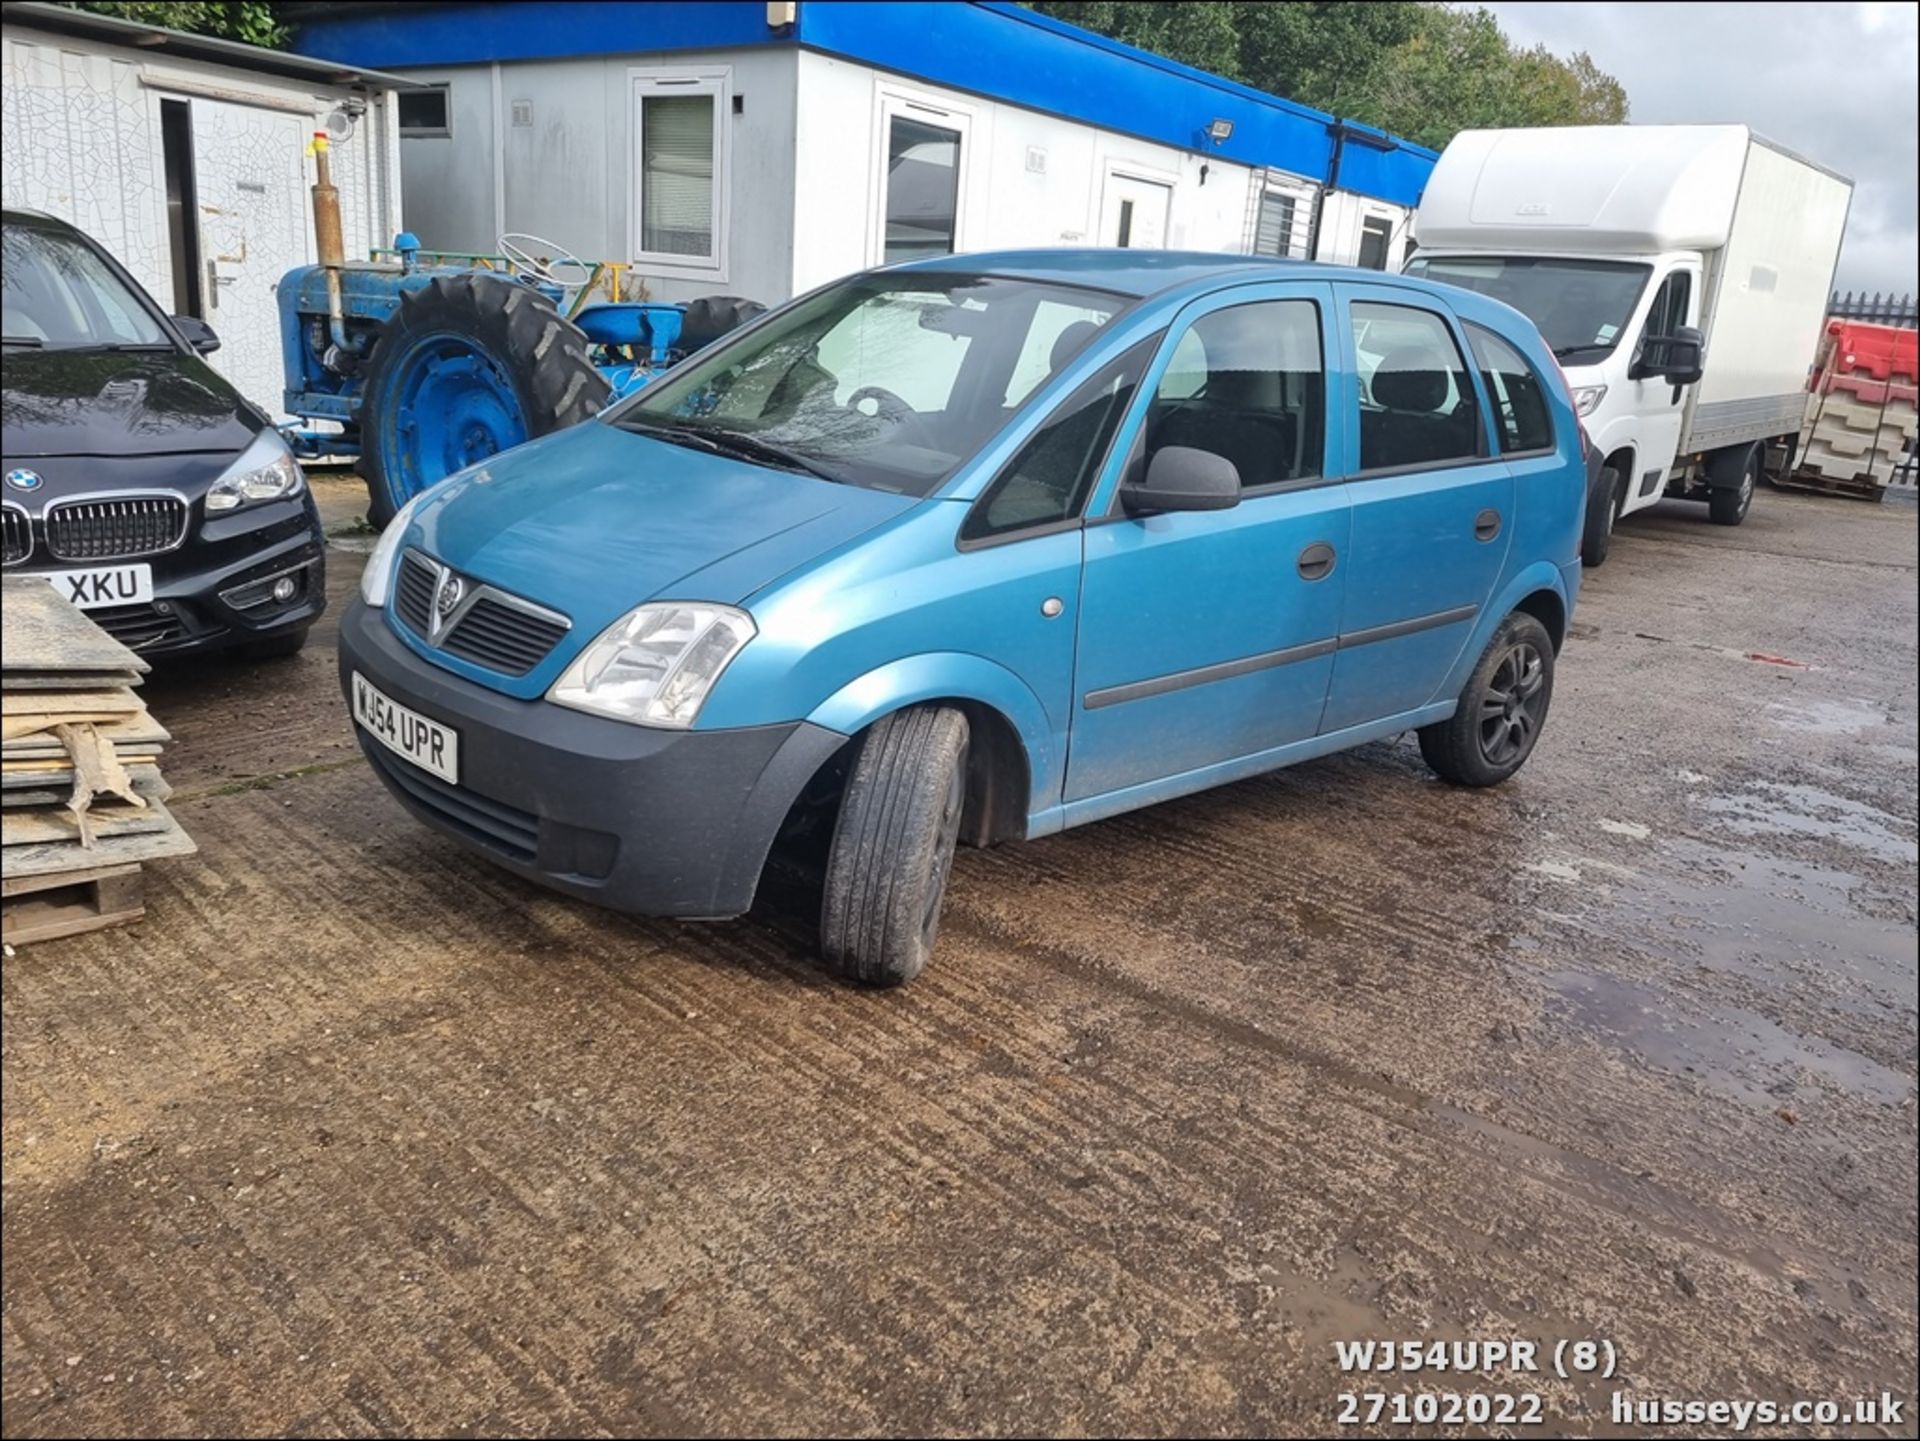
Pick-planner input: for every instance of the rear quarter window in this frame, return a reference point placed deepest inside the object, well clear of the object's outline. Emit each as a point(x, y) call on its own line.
point(1521, 420)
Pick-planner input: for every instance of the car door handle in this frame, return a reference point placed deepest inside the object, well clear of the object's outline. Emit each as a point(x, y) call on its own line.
point(1316, 561)
point(1486, 525)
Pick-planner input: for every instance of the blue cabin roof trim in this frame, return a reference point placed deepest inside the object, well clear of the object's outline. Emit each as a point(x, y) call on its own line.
point(983, 47)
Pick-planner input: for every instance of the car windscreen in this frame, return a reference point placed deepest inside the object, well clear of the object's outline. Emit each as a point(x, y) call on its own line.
point(56, 291)
point(889, 381)
point(1580, 306)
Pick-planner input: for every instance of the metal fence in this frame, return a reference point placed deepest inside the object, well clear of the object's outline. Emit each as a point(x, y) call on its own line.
point(1876, 309)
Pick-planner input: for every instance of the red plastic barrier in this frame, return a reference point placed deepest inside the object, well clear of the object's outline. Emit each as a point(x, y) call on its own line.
point(1882, 352)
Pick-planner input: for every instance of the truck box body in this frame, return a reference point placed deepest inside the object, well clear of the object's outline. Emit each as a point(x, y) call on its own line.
point(1760, 226)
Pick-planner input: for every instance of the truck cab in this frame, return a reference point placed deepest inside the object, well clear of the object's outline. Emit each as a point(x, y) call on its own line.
point(1679, 274)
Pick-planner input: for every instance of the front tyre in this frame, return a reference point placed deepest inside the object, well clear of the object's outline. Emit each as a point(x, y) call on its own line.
point(893, 846)
point(1603, 504)
point(1502, 708)
point(277, 647)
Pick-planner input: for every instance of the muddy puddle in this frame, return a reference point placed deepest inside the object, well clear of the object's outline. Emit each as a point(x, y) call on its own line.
point(1730, 1049)
point(1789, 936)
point(1785, 809)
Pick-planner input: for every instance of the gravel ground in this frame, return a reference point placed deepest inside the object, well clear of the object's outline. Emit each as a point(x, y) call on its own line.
point(357, 1134)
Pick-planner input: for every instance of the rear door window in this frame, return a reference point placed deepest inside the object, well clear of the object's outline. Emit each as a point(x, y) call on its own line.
point(1521, 420)
point(1417, 402)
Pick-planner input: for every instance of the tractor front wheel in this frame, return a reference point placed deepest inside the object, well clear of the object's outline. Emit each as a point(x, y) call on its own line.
point(467, 366)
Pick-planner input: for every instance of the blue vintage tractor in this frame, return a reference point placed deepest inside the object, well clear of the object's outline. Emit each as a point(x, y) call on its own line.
point(431, 362)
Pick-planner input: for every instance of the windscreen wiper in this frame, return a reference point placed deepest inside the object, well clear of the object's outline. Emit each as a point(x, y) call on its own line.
point(33, 341)
point(752, 447)
point(728, 442)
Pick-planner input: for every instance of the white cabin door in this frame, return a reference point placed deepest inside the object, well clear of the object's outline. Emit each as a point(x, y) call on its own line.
point(250, 187)
point(1133, 212)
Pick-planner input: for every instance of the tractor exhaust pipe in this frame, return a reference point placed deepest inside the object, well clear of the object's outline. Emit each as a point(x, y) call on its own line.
point(328, 238)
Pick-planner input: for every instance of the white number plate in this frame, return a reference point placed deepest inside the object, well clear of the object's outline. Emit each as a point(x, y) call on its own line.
point(408, 734)
point(103, 585)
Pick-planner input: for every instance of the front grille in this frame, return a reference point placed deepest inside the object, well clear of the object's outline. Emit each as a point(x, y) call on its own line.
point(413, 593)
point(18, 533)
point(138, 626)
point(115, 529)
point(492, 632)
point(515, 833)
point(501, 637)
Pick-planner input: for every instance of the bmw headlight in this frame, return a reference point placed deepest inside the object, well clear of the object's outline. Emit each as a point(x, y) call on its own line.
point(1587, 398)
point(266, 470)
point(377, 578)
point(655, 665)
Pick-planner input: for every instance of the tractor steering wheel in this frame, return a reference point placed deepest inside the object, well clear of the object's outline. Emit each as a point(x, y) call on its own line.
point(525, 251)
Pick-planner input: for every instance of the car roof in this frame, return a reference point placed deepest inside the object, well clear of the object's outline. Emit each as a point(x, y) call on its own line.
point(1135, 272)
point(19, 213)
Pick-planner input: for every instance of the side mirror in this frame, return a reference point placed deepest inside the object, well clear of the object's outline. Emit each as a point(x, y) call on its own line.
point(1686, 357)
point(196, 333)
point(1675, 358)
point(1182, 478)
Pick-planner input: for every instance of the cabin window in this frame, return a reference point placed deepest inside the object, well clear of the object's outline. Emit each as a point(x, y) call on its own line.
point(680, 162)
point(425, 113)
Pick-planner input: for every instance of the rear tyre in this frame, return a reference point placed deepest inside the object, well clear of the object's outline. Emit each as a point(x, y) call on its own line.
point(1502, 711)
point(893, 846)
point(1603, 504)
point(468, 366)
point(1733, 476)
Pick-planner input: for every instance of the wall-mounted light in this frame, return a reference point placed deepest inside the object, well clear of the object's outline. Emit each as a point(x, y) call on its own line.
point(1219, 131)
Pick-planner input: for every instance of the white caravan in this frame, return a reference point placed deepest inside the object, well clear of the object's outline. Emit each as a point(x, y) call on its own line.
point(1680, 274)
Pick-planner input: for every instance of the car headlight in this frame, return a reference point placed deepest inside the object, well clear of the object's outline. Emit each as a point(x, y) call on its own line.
point(377, 578)
point(266, 470)
point(1587, 398)
point(655, 665)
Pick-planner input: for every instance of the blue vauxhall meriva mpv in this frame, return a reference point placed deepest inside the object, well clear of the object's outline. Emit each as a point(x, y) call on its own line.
point(977, 548)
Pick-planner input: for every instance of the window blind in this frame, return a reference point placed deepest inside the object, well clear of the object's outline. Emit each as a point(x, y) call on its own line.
point(1273, 231)
point(676, 174)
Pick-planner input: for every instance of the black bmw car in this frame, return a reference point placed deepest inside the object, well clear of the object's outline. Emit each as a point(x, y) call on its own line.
point(137, 479)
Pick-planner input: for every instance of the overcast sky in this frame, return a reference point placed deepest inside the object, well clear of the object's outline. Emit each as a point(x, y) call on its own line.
point(1834, 82)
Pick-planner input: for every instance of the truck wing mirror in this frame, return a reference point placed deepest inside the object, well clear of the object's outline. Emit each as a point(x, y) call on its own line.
point(1180, 477)
point(1675, 358)
point(1685, 359)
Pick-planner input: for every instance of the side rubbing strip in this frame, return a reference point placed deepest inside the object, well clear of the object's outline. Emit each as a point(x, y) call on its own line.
point(1203, 675)
point(1267, 660)
point(1395, 629)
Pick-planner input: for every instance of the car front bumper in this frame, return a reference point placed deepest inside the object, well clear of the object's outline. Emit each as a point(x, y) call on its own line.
point(648, 821)
point(213, 590)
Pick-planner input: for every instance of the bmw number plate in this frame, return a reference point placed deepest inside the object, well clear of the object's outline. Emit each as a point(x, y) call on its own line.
point(103, 585)
point(408, 734)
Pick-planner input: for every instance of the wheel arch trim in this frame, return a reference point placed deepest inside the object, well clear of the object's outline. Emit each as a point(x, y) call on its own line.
point(962, 679)
point(1534, 580)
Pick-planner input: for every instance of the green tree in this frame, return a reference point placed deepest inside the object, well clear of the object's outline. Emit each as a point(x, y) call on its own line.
point(253, 21)
point(1423, 71)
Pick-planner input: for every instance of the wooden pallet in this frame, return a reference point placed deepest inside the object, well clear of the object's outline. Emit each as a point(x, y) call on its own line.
point(1849, 486)
point(39, 908)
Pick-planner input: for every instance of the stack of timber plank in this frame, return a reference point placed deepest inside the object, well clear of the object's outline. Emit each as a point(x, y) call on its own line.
point(84, 804)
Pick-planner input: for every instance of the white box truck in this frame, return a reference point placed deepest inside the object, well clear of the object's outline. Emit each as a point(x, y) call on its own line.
point(1680, 274)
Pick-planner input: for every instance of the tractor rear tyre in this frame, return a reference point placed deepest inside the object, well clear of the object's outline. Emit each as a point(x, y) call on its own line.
point(469, 365)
